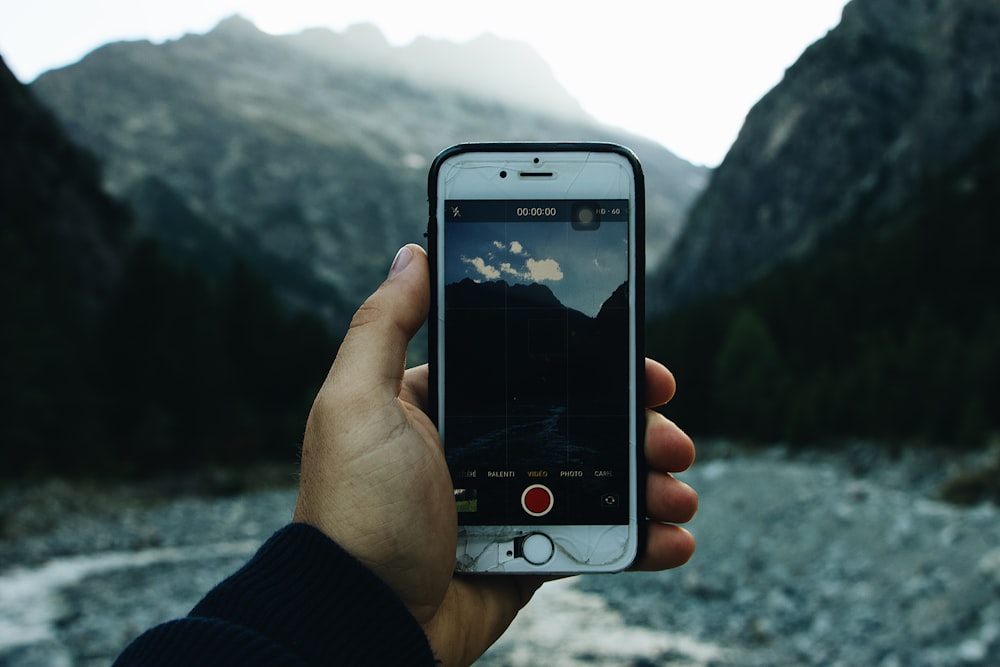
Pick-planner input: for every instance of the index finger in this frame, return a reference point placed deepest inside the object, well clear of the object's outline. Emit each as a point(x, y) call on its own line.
point(415, 386)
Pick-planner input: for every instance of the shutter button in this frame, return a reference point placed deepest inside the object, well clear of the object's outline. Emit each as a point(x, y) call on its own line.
point(537, 500)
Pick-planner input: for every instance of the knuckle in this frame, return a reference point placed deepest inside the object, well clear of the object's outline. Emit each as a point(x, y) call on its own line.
point(368, 313)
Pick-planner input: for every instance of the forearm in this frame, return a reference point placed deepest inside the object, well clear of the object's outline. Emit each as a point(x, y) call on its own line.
point(301, 600)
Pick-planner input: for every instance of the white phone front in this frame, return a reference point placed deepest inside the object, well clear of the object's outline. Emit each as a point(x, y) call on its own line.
point(536, 360)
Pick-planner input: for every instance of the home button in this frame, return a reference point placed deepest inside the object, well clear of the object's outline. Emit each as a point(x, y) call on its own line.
point(537, 549)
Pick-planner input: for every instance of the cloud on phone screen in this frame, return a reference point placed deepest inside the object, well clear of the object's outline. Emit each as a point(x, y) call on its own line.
point(581, 268)
point(524, 267)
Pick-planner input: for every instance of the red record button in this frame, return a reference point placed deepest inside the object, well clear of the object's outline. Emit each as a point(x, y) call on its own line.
point(537, 500)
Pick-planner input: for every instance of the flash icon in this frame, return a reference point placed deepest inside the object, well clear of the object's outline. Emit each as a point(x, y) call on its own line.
point(455, 213)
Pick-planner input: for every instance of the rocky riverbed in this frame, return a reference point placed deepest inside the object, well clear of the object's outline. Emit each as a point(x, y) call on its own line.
point(816, 559)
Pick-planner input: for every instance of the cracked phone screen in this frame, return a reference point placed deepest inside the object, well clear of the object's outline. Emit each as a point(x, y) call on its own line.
point(536, 328)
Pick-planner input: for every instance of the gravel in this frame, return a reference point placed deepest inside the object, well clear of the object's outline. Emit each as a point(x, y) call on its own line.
point(803, 559)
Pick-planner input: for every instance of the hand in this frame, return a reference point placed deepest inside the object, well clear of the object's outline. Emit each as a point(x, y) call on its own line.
point(374, 476)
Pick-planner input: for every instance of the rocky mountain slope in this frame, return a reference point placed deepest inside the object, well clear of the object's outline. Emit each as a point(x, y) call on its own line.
point(308, 153)
point(897, 94)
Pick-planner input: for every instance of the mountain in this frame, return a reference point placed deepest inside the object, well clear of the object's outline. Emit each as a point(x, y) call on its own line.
point(115, 359)
point(307, 153)
point(60, 227)
point(836, 279)
point(61, 256)
point(893, 335)
point(898, 94)
point(62, 242)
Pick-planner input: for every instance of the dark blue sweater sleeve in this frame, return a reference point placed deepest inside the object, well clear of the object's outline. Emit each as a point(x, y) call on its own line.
point(301, 600)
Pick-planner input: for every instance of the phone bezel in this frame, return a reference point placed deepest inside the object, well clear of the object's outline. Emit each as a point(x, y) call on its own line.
point(515, 158)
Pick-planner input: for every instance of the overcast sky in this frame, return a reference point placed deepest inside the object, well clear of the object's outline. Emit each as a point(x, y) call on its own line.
point(689, 69)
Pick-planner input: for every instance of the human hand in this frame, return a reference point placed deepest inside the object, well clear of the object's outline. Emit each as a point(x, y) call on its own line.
point(375, 480)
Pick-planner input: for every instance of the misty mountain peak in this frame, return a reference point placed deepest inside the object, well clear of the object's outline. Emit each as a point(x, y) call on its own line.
point(491, 67)
point(236, 25)
point(366, 34)
point(355, 45)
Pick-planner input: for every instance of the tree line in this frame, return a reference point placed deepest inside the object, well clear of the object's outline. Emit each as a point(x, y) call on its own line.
point(174, 370)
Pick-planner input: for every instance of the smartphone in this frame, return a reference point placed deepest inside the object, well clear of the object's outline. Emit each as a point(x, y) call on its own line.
point(536, 355)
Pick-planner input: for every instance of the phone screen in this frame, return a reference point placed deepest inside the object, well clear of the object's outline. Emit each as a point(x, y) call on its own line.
point(535, 346)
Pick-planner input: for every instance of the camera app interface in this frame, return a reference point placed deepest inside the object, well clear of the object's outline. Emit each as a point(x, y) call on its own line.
point(536, 360)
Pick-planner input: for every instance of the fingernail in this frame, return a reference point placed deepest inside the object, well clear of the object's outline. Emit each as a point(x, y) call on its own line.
point(402, 260)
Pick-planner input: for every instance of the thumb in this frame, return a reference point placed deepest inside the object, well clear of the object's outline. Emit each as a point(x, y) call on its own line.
point(372, 356)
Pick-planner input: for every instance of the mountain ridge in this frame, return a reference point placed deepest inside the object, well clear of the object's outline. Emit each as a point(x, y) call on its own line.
point(487, 66)
point(318, 171)
point(897, 93)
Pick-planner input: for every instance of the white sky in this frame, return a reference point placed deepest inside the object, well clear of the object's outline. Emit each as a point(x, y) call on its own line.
point(689, 70)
